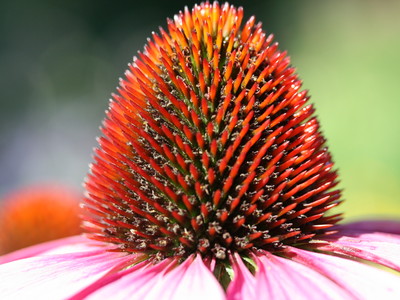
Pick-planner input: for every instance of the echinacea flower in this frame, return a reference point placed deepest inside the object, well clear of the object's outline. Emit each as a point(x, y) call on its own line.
point(212, 179)
point(37, 214)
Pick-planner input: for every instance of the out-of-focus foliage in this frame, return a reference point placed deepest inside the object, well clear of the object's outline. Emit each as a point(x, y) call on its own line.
point(347, 54)
point(61, 61)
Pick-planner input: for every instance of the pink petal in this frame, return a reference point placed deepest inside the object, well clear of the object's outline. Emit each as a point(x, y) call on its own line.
point(371, 226)
point(86, 244)
point(190, 280)
point(102, 282)
point(43, 247)
point(57, 276)
point(381, 248)
point(137, 280)
point(362, 281)
point(281, 278)
point(243, 284)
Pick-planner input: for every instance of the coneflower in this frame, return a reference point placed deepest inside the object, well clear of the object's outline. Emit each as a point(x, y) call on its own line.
point(212, 179)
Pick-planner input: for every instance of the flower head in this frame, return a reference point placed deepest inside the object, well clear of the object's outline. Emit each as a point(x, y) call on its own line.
point(210, 146)
point(212, 178)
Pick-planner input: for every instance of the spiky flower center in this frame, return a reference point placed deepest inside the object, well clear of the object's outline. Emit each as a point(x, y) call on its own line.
point(209, 146)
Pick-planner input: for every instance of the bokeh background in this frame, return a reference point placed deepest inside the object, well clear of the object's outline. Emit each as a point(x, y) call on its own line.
point(61, 60)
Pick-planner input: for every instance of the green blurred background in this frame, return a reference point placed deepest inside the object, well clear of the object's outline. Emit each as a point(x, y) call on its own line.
point(60, 61)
